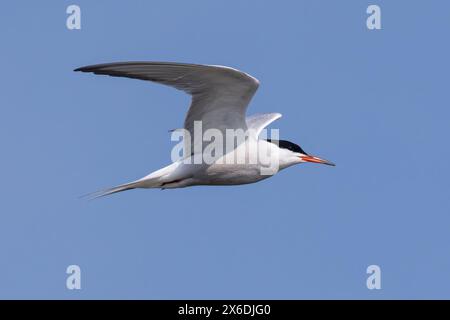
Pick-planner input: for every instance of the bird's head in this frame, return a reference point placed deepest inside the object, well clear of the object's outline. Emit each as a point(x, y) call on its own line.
point(291, 153)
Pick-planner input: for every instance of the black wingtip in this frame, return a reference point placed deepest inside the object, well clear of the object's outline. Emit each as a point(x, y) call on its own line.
point(85, 69)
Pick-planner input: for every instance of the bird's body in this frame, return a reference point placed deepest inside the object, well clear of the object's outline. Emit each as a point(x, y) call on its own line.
point(220, 96)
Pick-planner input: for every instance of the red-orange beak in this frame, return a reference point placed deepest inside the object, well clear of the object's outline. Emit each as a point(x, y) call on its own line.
point(308, 158)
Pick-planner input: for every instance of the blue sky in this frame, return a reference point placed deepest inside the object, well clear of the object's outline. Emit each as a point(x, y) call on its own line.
point(374, 102)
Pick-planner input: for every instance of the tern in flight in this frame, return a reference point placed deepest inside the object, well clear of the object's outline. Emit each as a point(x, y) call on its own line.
point(220, 97)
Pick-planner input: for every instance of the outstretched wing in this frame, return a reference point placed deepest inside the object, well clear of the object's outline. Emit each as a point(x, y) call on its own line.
point(257, 122)
point(220, 95)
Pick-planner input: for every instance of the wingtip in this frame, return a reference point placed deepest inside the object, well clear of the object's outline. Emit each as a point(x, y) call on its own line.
point(82, 69)
point(89, 68)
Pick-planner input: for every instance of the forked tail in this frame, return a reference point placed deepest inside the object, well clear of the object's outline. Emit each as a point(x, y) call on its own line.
point(154, 180)
point(106, 192)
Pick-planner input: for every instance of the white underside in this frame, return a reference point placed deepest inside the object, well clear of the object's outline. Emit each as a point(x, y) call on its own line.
point(242, 171)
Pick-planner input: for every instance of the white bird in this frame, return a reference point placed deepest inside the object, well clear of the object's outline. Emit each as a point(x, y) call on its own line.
point(220, 97)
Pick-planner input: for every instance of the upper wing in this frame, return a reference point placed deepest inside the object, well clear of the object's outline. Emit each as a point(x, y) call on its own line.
point(220, 95)
point(257, 122)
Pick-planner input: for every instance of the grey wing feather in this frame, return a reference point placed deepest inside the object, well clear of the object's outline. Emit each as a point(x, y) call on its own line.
point(257, 122)
point(220, 95)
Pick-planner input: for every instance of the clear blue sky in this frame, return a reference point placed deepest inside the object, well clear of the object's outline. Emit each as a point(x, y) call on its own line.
point(374, 102)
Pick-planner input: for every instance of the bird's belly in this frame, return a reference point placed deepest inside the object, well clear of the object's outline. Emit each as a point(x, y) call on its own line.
point(226, 174)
